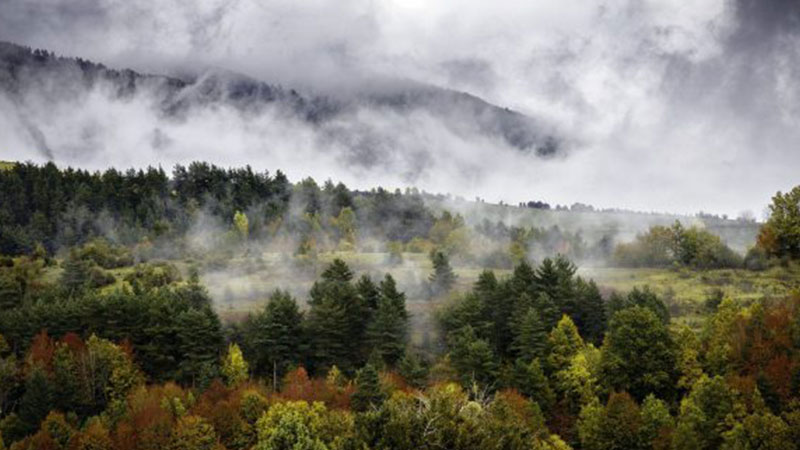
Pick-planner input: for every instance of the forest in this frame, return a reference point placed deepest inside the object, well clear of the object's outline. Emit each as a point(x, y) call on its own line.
point(214, 308)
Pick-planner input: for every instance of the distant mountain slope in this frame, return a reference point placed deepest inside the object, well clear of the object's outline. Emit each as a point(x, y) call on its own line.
point(30, 78)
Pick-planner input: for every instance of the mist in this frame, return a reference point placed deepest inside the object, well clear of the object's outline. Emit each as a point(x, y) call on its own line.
point(659, 105)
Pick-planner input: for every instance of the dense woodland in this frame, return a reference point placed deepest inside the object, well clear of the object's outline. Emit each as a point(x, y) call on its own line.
point(531, 356)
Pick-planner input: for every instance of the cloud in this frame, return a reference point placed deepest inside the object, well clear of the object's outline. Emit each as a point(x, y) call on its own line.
point(672, 105)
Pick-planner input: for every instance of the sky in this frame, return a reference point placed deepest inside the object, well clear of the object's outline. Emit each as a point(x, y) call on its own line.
point(668, 105)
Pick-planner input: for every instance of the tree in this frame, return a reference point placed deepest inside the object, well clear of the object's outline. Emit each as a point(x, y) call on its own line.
point(77, 273)
point(242, 225)
point(780, 235)
point(413, 370)
point(530, 379)
point(200, 341)
point(615, 426)
point(11, 290)
point(234, 366)
point(291, 426)
point(530, 339)
point(638, 354)
point(37, 399)
point(472, 357)
point(563, 344)
point(645, 298)
point(657, 423)
point(193, 433)
point(387, 332)
point(346, 225)
point(368, 392)
point(442, 278)
point(336, 321)
point(589, 313)
point(703, 414)
point(276, 335)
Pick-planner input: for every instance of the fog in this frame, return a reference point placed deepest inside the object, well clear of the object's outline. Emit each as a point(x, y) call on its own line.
point(660, 105)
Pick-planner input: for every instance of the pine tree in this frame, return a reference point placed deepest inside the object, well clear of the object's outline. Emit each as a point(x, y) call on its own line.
point(523, 281)
point(589, 314)
point(530, 338)
point(37, 399)
point(278, 335)
point(413, 370)
point(200, 340)
point(337, 271)
point(442, 278)
point(472, 357)
point(530, 379)
point(387, 333)
point(369, 292)
point(547, 309)
point(77, 273)
point(336, 324)
point(368, 392)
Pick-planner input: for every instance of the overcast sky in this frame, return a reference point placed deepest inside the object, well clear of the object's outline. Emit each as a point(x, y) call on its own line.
point(674, 105)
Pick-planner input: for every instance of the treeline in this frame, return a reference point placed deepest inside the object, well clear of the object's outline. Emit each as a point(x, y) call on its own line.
point(778, 243)
point(46, 210)
point(677, 246)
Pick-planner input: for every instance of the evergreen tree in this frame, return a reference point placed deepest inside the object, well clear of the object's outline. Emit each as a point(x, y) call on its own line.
point(37, 399)
point(11, 291)
point(530, 379)
point(200, 340)
point(368, 392)
point(530, 339)
point(413, 370)
point(369, 292)
point(472, 357)
point(547, 309)
point(589, 314)
point(77, 273)
point(277, 335)
point(336, 324)
point(387, 331)
point(442, 278)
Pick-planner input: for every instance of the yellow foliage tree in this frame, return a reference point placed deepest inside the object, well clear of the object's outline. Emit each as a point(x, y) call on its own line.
point(234, 367)
point(241, 224)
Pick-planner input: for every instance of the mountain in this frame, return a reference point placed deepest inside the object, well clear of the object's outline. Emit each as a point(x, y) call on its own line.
point(34, 81)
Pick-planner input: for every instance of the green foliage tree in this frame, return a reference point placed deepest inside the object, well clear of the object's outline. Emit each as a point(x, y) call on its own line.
point(472, 357)
point(530, 339)
point(703, 414)
point(336, 325)
point(37, 399)
point(780, 235)
point(387, 332)
point(274, 337)
point(530, 380)
point(638, 355)
point(643, 297)
point(77, 273)
point(368, 393)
